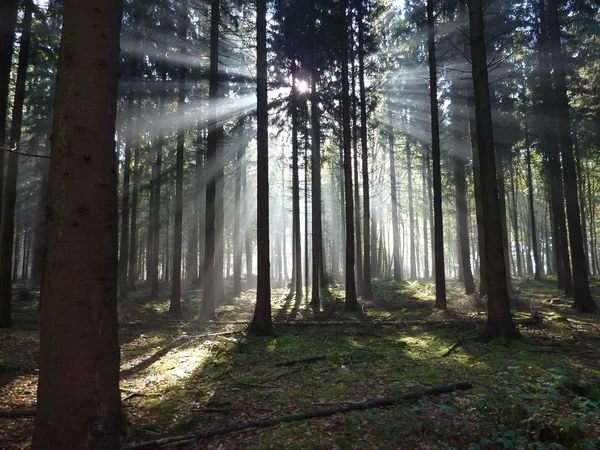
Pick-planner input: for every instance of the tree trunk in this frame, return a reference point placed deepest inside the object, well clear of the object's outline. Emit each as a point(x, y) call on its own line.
point(296, 237)
point(440, 277)
point(534, 238)
point(209, 292)
point(317, 226)
point(8, 25)
point(515, 221)
point(395, 224)
point(366, 288)
point(424, 164)
point(462, 223)
point(133, 238)
point(499, 323)
point(10, 190)
point(175, 304)
point(78, 401)
point(262, 322)
point(124, 245)
point(358, 234)
point(582, 296)
point(411, 213)
point(237, 229)
point(351, 300)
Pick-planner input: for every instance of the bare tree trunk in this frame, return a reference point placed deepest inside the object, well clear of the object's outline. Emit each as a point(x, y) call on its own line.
point(262, 322)
point(175, 304)
point(78, 401)
point(132, 259)
point(411, 213)
point(366, 288)
point(296, 238)
point(317, 226)
point(440, 277)
point(351, 300)
point(499, 323)
point(237, 230)
point(534, 238)
point(358, 234)
point(395, 224)
point(582, 296)
point(210, 289)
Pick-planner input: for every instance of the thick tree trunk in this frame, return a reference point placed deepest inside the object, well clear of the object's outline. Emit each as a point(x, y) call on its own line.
point(10, 190)
point(351, 300)
point(582, 296)
point(78, 401)
point(262, 322)
point(499, 323)
point(440, 277)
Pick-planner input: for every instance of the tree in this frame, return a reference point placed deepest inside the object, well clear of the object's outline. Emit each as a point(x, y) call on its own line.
point(499, 323)
point(582, 296)
point(351, 300)
point(440, 277)
point(210, 284)
point(175, 306)
point(262, 322)
point(10, 190)
point(78, 402)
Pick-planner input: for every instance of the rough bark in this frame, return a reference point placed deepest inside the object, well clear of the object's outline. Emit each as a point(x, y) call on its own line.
point(499, 323)
point(296, 237)
point(367, 289)
point(440, 277)
point(351, 300)
point(317, 226)
point(262, 322)
point(582, 296)
point(411, 212)
point(78, 401)
point(395, 225)
point(209, 292)
point(175, 303)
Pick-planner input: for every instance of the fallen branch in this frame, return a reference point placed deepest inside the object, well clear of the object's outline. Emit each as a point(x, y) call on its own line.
point(134, 395)
point(301, 361)
point(451, 349)
point(17, 413)
point(376, 402)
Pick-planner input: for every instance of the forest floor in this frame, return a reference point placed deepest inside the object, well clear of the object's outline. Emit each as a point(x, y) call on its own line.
point(182, 376)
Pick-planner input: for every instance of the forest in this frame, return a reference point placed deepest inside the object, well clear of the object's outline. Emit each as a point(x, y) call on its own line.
point(310, 224)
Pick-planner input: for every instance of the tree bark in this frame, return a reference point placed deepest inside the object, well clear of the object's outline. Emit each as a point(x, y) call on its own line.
point(411, 212)
point(351, 302)
point(210, 289)
point(366, 289)
point(237, 229)
point(296, 237)
point(533, 225)
point(395, 225)
point(78, 401)
point(440, 277)
point(582, 296)
point(262, 322)
point(175, 303)
point(499, 323)
point(317, 226)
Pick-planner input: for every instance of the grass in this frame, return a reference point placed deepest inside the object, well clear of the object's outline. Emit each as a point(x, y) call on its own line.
point(542, 392)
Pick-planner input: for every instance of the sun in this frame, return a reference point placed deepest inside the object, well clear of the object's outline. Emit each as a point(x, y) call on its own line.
point(303, 86)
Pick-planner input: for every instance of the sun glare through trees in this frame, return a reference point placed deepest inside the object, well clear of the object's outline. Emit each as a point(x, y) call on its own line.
point(325, 223)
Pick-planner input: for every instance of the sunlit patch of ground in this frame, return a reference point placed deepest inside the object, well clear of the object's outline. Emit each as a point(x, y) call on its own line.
point(181, 376)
